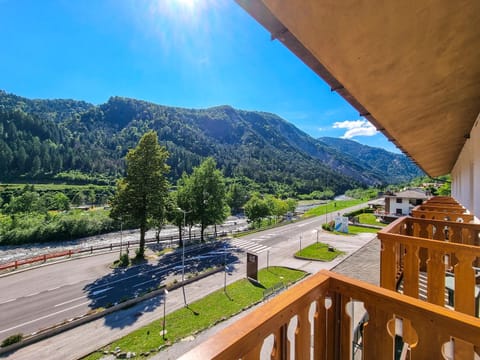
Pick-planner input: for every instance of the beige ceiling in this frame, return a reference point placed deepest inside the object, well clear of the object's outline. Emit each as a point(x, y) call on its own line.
point(411, 67)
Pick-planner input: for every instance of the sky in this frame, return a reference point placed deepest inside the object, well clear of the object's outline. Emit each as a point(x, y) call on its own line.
point(186, 53)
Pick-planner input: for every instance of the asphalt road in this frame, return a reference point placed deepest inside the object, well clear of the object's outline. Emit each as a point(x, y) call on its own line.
point(39, 298)
point(42, 297)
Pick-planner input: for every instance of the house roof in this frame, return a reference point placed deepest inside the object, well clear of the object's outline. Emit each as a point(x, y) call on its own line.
point(410, 194)
point(410, 67)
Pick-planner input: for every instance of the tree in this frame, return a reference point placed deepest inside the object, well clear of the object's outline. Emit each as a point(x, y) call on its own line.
point(206, 188)
point(256, 208)
point(237, 196)
point(141, 196)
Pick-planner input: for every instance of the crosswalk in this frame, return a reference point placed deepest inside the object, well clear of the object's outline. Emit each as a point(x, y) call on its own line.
point(252, 246)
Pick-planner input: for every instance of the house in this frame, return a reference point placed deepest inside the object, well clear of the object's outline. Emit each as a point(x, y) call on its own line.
point(402, 202)
point(412, 69)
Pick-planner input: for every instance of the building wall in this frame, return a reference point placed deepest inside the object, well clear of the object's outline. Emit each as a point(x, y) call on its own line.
point(393, 206)
point(466, 173)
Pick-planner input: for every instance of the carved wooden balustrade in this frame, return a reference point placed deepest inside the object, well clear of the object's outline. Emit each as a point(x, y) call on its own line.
point(437, 214)
point(455, 209)
point(445, 200)
point(312, 321)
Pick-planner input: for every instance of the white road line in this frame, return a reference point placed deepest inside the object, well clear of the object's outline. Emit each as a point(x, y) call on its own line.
point(54, 288)
point(101, 291)
point(43, 317)
point(69, 301)
point(7, 301)
point(145, 282)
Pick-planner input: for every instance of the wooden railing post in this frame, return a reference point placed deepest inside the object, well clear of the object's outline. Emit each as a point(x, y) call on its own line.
point(388, 265)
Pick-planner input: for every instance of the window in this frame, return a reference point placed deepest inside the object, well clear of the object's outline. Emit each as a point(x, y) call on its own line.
point(399, 200)
point(399, 212)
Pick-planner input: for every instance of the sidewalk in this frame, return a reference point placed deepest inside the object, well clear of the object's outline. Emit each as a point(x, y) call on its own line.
point(78, 342)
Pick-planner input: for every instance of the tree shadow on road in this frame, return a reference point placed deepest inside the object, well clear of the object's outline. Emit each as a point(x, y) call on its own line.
point(124, 284)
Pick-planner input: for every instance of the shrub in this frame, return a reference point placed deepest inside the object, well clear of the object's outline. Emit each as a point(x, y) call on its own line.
point(123, 260)
point(330, 226)
point(12, 339)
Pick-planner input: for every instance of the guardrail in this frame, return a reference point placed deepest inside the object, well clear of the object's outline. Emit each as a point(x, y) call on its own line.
point(91, 249)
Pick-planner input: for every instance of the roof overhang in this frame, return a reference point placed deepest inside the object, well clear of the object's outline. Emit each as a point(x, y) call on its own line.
point(412, 68)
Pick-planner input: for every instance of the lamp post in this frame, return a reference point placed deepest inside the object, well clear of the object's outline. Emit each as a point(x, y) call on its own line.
point(183, 255)
point(225, 266)
point(165, 292)
point(121, 236)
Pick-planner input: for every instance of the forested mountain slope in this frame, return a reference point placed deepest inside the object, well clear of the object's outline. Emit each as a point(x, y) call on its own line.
point(40, 138)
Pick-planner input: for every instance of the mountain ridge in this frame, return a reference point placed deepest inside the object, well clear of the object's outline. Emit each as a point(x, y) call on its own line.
point(258, 145)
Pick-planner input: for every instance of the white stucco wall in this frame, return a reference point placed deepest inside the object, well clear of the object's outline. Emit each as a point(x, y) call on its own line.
point(466, 173)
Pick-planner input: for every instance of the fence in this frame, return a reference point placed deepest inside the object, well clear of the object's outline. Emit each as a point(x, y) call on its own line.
point(164, 241)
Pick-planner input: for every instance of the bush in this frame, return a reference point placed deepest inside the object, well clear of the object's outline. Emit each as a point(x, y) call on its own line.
point(123, 260)
point(358, 212)
point(13, 339)
point(330, 226)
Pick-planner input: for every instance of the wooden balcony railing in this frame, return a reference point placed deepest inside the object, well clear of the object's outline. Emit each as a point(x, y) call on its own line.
point(455, 209)
point(442, 200)
point(437, 213)
point(448, 253)
point(315, 320)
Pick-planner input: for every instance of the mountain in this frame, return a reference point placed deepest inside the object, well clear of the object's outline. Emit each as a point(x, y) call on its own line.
point(41, 138)
point(393, 167)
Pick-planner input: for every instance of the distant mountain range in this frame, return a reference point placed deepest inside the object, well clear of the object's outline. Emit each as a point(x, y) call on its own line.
point(41, 138)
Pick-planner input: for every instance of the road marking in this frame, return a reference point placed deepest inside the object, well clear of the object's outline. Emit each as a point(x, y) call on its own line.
point(145, 282)
point(7, 301)
point(43, 317)
point(54, 288)
point(69, 301)
point(101, 291)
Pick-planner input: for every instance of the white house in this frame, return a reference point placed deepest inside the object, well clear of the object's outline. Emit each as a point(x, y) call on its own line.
point(401, 203)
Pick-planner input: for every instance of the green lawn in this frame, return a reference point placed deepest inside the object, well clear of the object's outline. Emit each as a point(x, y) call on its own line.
point(318, 251)
point(332, 206)
point(369, 219)
point(354, 230)
point(202, 313)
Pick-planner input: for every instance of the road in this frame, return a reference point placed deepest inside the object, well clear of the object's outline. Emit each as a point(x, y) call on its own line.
point(39, 298)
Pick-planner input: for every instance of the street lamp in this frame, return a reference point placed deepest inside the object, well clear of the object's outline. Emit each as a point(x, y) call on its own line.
point(183, 255)
point(165, 292)
point(121, 236)
point(225, 265)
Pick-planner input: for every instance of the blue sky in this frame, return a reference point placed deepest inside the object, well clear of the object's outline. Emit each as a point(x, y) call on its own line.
point(187, 53)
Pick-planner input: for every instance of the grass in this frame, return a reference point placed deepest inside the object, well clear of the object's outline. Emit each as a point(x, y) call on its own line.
point(318, 251)
point(355, 230)
point(203, 313)
point(369, 219)
point(332, 206)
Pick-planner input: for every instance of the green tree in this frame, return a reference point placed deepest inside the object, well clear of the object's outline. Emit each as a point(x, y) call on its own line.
point(141, 196)
point(237, 196)
point(27, 202)
point(207, 190)
point(256, 208)
point(291, 205)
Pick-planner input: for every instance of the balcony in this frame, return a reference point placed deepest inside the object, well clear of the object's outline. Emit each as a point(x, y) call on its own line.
point(318, 319)
point(442, 208)
point(331, 316)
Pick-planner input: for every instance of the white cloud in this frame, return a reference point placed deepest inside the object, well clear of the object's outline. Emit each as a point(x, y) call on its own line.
point(355, 128)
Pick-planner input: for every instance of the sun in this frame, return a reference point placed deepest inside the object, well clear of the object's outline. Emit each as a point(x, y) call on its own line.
point(190, 4)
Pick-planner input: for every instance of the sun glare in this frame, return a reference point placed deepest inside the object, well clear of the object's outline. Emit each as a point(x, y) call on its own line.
point(187, 3)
